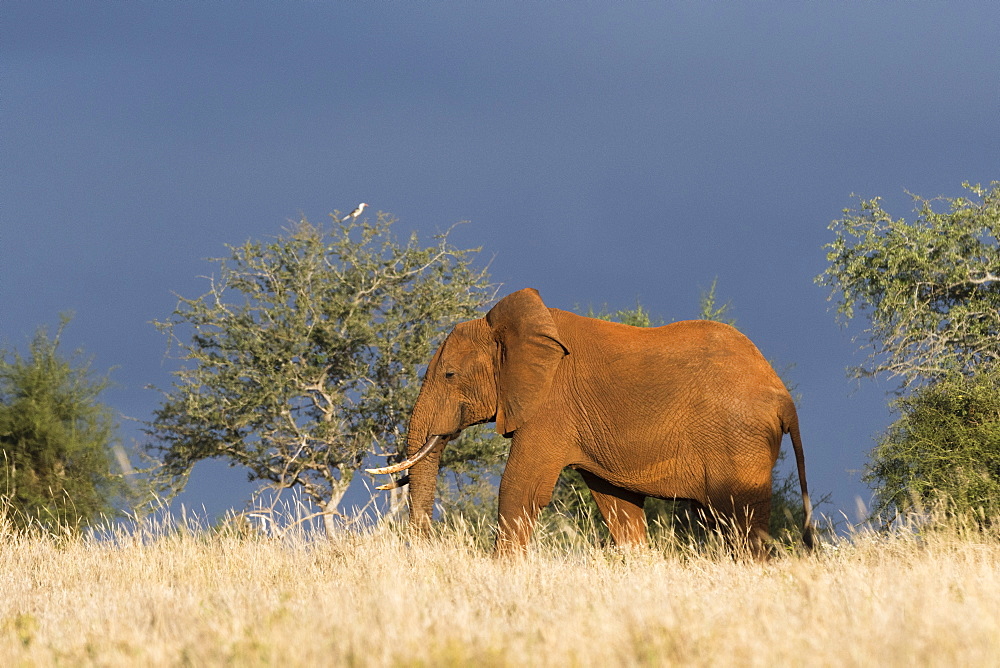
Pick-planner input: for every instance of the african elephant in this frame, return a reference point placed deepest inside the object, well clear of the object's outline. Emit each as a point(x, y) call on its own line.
point(690, 410)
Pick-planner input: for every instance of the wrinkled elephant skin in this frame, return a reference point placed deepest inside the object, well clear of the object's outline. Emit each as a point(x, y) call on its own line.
point(689, 410)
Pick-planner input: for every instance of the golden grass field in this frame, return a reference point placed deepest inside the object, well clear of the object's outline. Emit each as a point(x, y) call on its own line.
point(158, 595)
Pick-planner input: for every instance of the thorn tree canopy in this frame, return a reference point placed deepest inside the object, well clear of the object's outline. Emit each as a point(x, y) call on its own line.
point(930, 288)
point(302, 358)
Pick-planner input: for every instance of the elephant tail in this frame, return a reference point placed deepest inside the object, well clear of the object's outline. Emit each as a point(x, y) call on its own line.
point(792, 428)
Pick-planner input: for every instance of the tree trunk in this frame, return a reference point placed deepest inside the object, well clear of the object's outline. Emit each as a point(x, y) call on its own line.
point(330, 508)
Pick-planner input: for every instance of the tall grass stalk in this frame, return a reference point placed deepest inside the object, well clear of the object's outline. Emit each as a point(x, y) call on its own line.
point(162, 592)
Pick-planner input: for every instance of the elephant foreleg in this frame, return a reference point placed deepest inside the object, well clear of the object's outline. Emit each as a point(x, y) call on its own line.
point(622, 510)
point(525, 488)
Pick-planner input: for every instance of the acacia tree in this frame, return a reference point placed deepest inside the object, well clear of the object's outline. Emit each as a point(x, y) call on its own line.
point(56, 438)
point(302, 358)
point(930, 289)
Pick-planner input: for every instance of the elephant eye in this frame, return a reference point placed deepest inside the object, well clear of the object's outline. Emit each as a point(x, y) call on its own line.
point(449, 374)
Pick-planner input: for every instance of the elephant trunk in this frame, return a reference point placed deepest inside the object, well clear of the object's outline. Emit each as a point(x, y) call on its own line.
point(423, 485)
point(423, 461)
point(424, 469)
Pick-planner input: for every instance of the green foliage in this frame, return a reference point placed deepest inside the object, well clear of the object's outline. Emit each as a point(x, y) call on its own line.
point(637, 317)
point(56, 437)
point(944, 450)
point(930, 287)
point(303, 356)
point(710, 309)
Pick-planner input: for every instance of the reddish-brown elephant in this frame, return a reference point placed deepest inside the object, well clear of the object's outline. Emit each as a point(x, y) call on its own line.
point(690, 410)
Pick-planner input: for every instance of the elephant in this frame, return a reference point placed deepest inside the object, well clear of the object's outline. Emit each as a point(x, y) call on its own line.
point(690, 410)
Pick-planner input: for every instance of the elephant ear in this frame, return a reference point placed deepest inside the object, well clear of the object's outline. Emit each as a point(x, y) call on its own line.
point(529, 352)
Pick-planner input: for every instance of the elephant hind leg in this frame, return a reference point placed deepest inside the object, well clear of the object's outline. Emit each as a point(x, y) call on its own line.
point(747, 524)
point(622, 510)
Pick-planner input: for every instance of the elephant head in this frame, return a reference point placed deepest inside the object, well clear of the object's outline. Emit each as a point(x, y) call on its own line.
point(498, 368)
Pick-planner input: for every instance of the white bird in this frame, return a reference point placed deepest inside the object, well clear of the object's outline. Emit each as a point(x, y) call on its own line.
point(354, 214)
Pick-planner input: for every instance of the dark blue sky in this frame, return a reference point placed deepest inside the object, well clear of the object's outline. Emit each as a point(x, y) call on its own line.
point(604, 154)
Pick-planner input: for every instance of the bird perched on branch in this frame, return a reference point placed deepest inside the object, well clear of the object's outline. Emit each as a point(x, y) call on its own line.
point(354, 214)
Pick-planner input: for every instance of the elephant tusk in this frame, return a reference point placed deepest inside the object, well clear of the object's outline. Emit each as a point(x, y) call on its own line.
point(395, 484)
point(409, 461)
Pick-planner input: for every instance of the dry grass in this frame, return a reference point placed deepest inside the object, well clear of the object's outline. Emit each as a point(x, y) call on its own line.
point(157, 595)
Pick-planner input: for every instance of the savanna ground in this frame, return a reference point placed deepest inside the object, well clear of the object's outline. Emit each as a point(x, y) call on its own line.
point(165, 593)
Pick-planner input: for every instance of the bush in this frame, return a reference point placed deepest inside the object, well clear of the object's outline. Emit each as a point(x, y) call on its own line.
point(944, 449)
point(55, 439)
